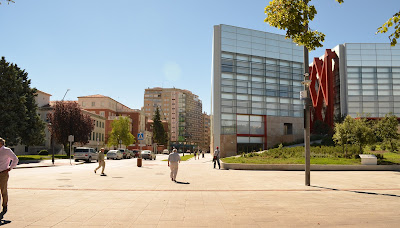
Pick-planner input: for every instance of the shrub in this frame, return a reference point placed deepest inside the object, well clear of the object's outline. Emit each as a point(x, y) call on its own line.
point(373, 147)
point(383, 147)
point(43, 152)
point(327, 141)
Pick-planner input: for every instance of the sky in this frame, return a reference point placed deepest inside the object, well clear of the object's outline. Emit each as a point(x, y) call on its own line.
point(119, 48)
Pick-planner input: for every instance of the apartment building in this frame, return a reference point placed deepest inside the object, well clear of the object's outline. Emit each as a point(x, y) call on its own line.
point(181, 109)
point(206, 123)
point(110, 109)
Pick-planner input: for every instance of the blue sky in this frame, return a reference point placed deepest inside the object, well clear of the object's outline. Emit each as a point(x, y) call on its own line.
point(118, 48)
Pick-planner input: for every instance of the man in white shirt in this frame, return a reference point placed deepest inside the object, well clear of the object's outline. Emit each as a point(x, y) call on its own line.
point(173, 160)
point(6, 156)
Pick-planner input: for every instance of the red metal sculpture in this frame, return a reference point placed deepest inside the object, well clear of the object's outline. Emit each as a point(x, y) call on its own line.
point(322, 88)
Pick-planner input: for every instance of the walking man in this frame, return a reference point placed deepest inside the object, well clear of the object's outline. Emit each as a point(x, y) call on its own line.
point(102, 163)
point(8, 161)
point(173, 160)
point(216, 158)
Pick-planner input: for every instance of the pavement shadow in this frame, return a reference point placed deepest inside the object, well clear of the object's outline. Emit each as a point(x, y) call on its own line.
point(179, 182)
point(4, 222)
point(356, 191)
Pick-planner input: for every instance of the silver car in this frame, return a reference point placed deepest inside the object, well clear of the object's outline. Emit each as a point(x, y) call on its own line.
point(148, 154)
point(114, 154)
point(85, 153)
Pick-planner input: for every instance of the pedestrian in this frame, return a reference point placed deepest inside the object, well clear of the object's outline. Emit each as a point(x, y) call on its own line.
point(216, 158)
point(102, 163)
point(8, 161)
point(173, 160)
point(195, 154)
point(198, 154)
point(202, 153)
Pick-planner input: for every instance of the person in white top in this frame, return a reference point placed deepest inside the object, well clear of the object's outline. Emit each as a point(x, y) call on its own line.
point(6, 156)
point(216, 158)
point(173, 160)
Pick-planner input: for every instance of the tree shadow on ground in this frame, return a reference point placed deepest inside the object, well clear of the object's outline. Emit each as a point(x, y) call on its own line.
point(356, 191)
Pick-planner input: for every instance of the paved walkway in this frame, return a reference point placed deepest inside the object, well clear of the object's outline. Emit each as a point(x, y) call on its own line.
point(129, 196)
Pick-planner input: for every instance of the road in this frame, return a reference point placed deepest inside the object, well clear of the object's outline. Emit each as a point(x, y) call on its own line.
point(129, 196)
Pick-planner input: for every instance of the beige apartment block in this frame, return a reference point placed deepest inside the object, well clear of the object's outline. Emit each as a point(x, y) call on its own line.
point(181, 109)
point(97, 136)
point(206, 123)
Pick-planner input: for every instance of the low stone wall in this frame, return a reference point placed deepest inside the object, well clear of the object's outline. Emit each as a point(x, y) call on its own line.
point(300, 167)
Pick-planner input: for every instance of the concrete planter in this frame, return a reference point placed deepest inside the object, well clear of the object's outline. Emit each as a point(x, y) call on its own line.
point(300, 167)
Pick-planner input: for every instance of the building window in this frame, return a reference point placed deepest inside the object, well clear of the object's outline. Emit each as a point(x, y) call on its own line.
point(93, 103)
point(102, 113)
point(288, 128)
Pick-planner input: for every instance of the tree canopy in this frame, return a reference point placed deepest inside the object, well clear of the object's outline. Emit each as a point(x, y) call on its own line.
point(120, 131)
point(8, 1)
point(68, 119)
point(386, 129)
point(159, 134)
point(18, 109)
point(294, 17)
point(393, 21)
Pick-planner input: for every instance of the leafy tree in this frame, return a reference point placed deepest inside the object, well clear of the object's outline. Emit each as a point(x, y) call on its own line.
point(159, 134)
point(361, 133)
point(393, 21)
point(18, 109)
point(343, 133)
point(68, 119)
point(120, 131)
point(294, 17)
point(386, 129)
point(8, 1)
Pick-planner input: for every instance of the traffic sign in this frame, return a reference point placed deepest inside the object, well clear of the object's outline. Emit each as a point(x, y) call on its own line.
point(140, 136)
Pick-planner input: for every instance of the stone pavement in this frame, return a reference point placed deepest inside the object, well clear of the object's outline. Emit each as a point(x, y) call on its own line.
point(129, 196)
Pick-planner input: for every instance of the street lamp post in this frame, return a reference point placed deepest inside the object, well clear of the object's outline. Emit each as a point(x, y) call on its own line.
point(65, 94)
point(120, 142)
point(307, 105)
point(52, 144)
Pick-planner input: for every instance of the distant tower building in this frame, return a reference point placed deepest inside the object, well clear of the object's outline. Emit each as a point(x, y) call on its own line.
point(181, 109)
point(206, 123)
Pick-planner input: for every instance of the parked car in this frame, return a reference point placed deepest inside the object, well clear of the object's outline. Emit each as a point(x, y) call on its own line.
point(165, 151)
point(148, 154)
point(114, 154)
point(125, 153)
point(135, 153)
point(85, 153)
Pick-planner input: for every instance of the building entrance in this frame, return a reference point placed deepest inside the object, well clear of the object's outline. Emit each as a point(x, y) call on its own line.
point(249, 147)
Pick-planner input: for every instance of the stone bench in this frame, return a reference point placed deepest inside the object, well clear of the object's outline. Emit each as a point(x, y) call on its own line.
point(368, 159)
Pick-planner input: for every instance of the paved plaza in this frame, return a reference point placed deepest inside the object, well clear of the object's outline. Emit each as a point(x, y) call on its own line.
point(129, 196)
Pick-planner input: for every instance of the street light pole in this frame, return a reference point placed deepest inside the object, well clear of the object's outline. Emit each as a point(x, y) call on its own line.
point(307, 117)
point(65, 94)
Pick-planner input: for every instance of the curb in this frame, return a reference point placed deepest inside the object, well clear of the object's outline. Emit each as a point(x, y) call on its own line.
point(301, 167)
point(43, 165)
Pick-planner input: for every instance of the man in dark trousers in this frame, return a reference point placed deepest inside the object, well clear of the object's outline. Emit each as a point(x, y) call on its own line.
point(8, 161)
point(216, 158)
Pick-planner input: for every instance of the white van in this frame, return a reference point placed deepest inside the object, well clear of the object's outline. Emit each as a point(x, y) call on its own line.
point(85, 153)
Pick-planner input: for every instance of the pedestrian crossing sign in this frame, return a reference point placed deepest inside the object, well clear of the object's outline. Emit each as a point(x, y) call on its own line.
point(140, 136)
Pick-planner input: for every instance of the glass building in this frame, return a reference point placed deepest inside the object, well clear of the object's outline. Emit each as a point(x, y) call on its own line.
point(369, 79)
point(256, 84)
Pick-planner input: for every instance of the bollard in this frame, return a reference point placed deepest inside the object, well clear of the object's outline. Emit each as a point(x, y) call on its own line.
point(139, 162)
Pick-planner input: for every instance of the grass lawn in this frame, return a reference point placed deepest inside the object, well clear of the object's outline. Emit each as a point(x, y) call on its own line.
point(316, 161)
point(41, 157)
point(319, 156)
point(183, 158)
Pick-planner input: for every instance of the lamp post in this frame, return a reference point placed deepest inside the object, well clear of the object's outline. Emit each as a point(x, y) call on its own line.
point(65, 94)
point(120, 142)
point(52, 144)
point(307, 104)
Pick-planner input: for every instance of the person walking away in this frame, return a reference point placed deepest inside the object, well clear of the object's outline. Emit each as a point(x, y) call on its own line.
point(202, 153)
point(102, 163)
point(8, 161)
point(195, 154)
point(216, 158)
point(173, 160)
